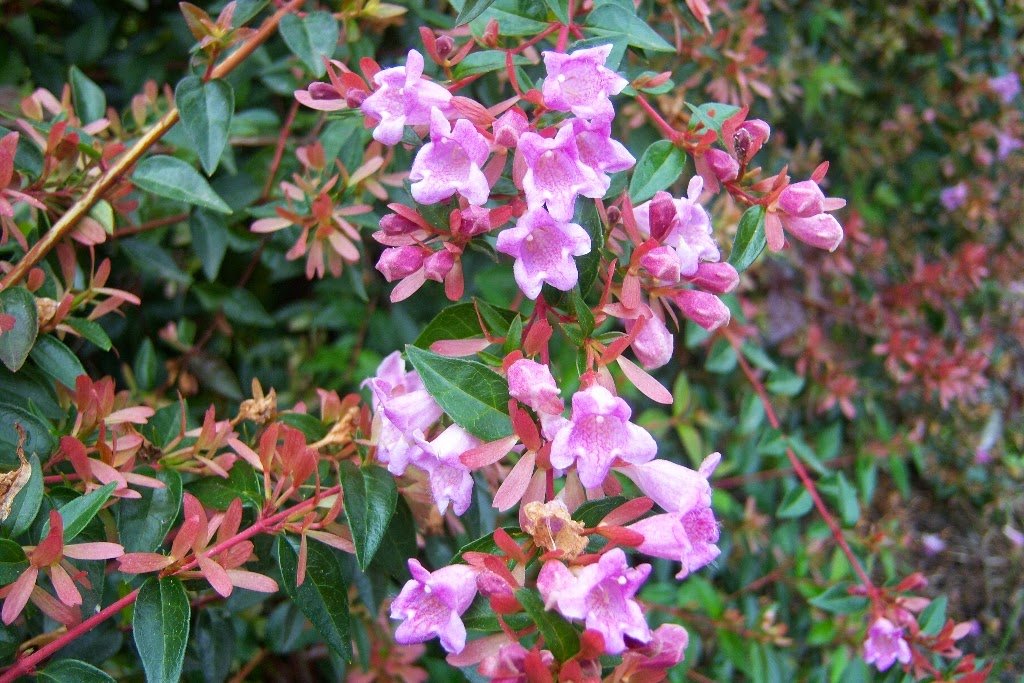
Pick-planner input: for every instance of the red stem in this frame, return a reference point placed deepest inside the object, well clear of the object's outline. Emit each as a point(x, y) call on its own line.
point(563, 33)
point(667, 130)
point(28, 664)
point(279, 150)
point(801, 471)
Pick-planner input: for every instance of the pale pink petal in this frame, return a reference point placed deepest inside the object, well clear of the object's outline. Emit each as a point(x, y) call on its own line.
point(142, 563)
point(270, 224)
point(93, 551)
point(515, 484)
point(459, 347)
point(216, 575)
point(252, 581)
point(18, 597)
point(67, 592)
point(650, 387)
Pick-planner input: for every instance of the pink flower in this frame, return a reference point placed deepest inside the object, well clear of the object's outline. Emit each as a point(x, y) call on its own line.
point(683, 225)
point(396, 263)
point(321, 96)
point(600, 594)
point(953, 197)
point(598, 433)
point(555, 174)
point(885, 645)
point(1006, 144)
point(508, 665)
point(451, 162)
point(403, 98)
point(581, 83)
point(431, 604)
point(543, 248)
point(402, 406)
point(703, 308)
point(717, 278)
point(688, 538)
point(450, 480)
point(666, 649)
point(654, 343)
point(1007, 86)
point(531, 383)
point(674, 487)
point(509, 127)
point(597, 149)
point(803, 213)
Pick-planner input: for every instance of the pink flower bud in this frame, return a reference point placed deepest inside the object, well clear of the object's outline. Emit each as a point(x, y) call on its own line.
point(663, 214)
point(717, 278)
point(437, 265)
point(444, 46)
point(749, 138)
point(509, 126)
point(722, 165)
point(355, 97)
point(705, 309)
point(393, 224)
point(803, 199)
point(532, 383)
point(396, 263)
point(822, 231)
point(662, 263)
point(654, 343)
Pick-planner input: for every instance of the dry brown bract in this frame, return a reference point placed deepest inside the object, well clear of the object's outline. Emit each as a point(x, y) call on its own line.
point(553, 528)
point(12, 482)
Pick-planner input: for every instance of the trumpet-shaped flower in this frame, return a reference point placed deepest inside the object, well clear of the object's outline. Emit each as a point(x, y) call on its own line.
point(450, 480)
point(581, 83)
point(598, 150)
point(598, 433)
point(555, 174)
point(403, 98)
point(403, 407)
point(451, 162)
point(885, 645)
point(531, 383)
point(544, 248)
point(600, 594)
point(431, 604)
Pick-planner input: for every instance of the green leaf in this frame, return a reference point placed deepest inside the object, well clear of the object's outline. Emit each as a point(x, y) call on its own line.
point(16, 342)
point(614, 20)
point(472, 395)
point(796, 503)
point(398, 544)
point(323, 595)
point(586, 216)
point(73, 671)
point(211, 650)
point(486, 544)
point(471, 9)
point(143, 523)
point(559, 636)
point(750, 239)
point(516, 17)
point(88, 98)
point(172, 178)
point(370, 499)
point(209, 240)
point(659, 166)
point(219, 493)
point(593, 511)
point(26, 504)
point(711, 116)
point(484, 62)
point(77, 513)
point(160, 627)
point(560, 8)
point(38, 438)
point(933, 617)
point(311, 39)
point(90, 330)
point(57, 360)
point(784, 383)
point(837, 599)
point(846, 495)
point(206, 110)
point(459, 321)
point(12, 561)
point(152, 259)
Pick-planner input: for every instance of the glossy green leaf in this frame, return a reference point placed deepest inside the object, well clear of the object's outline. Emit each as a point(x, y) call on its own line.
point(484, 61)
point(398, 544)
point(560, 8)
point(73, 671)
point(933, 617)
point(206, 110)
point(26, 504)
point(242, 482)
point(486, 544)
point(54, 358)
point(12, 561)
point(711, 116)
point(38, 438)
point(172, 178)
point(472, 394)
point(586, 216)
point(160, 627)
point(323, 595)
point(80, 511)
point(516, 17)
point(17, 341)
point(143, 523)
point(471, 9)
point(91, 331)
point(209, 240)
point(614, 20)
point(153, 260)
point(846, 496)
point(211, 649)
point(88, 98)
point(659, 166)
point(750, 238)
point(460, 321)
point(593, 511)
point(370, 499)
point(837, 599)
point(559, 636)
point(784, 383)
point(311, 39)
point(796, 503)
